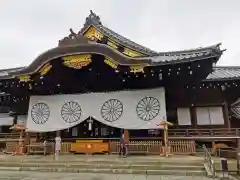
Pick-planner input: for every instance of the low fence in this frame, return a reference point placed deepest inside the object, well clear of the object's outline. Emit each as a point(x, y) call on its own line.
point(144, 147)
point(151, 147)
point(11, 147)
point(65, 147)
point(182, 147)
point(155, 147)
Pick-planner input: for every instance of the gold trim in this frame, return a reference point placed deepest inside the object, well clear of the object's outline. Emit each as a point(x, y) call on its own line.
point(111, 62)
point(77, 62)
point(131, 53)
point(45, 69)
point(112, 44)
point(137, 69)
point(24, 78)
point(93, 34)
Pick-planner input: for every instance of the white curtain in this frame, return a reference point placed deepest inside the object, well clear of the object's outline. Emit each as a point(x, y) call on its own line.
point(203, 116)
point(216, 115)
point(184, 116)
point(5, 119)
point(22, 120)
point(140, 109)
point(210, 116)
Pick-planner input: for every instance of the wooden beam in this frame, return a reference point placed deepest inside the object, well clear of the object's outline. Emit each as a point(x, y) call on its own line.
point(193, 114)
point(238, 156)
point(226, 115)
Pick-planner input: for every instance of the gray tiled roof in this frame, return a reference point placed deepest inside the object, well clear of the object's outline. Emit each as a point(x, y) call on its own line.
point(94, 20)
point(4, 73)
point(224, 73)
point(187, 55)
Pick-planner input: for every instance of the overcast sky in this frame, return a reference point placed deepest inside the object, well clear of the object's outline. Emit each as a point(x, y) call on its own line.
point(29, 27)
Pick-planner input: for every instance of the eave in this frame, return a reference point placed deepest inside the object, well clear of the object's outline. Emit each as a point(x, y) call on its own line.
point(76, 44)
point(101, 49)
point(224, 73)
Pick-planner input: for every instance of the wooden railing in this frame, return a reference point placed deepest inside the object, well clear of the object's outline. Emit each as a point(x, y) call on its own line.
point(9, 136)
point(65, 147)
point(146, 147)
point(209, 161)
point(218, 132)
point(155, 147)
point(182, 147)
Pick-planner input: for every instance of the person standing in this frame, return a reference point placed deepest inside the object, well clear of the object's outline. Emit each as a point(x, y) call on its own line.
point(122, 151)
point(58, 141)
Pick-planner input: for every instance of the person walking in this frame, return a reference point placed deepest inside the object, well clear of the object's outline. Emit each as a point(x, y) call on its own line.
point(122, 151)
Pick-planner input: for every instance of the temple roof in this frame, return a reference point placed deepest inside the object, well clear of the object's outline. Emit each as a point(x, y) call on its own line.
point(94, 20)
point(219, 73)
point(225, 73)
point(77, 43)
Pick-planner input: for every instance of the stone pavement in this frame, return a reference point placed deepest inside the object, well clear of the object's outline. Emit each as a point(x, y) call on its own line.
point(72, 158)
point(9, 175)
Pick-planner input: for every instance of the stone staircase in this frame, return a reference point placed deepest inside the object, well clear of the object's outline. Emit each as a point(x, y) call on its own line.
point(150, 166)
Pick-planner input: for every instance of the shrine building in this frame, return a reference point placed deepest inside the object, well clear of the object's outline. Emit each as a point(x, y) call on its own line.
point(96, 84)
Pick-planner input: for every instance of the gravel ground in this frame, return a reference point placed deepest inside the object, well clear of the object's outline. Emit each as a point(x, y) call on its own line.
point(9, 175)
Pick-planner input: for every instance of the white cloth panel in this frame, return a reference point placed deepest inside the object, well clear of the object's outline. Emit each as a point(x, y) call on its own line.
point(6, 120)
point(216, 115)
point(203, 117)
point(139, 109)
point(184, 117)
point(210, 116)
point(22, 120)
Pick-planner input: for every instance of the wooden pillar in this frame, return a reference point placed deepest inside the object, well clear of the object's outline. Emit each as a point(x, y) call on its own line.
point(238, 156)
point(193, 114)
point(126, 136)
point(226, 115)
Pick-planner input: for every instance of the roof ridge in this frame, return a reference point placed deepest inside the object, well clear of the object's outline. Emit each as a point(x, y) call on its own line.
point(191, 50)
point(128, 39)
point(94, 20)
point(227, 67)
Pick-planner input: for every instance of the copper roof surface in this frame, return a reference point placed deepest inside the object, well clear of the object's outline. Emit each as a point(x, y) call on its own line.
point(94, 20)
point(224, 73)
point(76, 43)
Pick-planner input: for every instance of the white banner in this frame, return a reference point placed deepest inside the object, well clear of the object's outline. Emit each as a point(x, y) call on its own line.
point(139, 109)
point(6, 120)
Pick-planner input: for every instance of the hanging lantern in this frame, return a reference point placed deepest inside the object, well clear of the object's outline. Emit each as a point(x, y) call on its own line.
point(90, 121)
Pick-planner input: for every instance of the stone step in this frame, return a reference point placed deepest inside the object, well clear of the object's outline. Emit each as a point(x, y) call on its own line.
point(107, 171)
point(115, 161)
point(104, 166)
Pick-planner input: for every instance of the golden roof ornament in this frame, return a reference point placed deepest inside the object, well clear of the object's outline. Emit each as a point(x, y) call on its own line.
point(72, 39)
